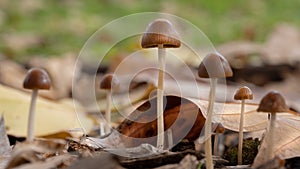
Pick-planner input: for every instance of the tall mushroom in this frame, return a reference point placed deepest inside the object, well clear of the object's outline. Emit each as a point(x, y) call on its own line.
point(161, 34)
point(272, 103)
point(219, 130)
point(242, 94)
point(108, 83)
point(213, 66)
point(36, 79)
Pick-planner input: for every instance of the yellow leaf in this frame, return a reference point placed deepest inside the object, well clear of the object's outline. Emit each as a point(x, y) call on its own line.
point(51, 117)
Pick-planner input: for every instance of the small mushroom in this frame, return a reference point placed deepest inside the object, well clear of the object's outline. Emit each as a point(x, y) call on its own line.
point(242, 94)
point(219, 130)
point(161, 34)
point(109, 82)
point(272, 103)
point(213, 66)
point(36, 79)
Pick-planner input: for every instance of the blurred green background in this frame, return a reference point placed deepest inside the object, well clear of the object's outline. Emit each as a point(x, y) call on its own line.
point(54, 27)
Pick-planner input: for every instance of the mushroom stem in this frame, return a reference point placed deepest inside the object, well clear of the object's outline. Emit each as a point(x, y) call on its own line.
point(108, 111)
point(160, 88)
point(241, 135)
point(208, 150)
point(30, 129)
point(216, 144)
point(170, 138)
point(269, 151)
point(102, 129)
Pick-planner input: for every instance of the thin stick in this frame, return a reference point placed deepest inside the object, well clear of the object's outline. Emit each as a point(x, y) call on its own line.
point(160, 88)
point(208, 148)
point(30, 129)
point(216, 144)
point(241, 134)
point(108, 111)
point(269, 151)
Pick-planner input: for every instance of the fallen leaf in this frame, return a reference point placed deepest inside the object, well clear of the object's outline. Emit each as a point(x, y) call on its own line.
point(32, 152)
point(5, 149)
point(189, 161)
point(49, 163)
point(103, 159)
point(186, 116)
point(4, 142)
point(180, 115)
point(287, 136)
point(51, 117)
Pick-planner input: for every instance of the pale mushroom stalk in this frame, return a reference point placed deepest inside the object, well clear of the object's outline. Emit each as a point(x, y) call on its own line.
point(241, 134)
point(30, 130)
point(160, 90)
point(161, 34)
point(207, 134)
point(108, 111)
point(108, 83)
point(213, 66)
point(36, 79)
point(170, 138)
point(242, 94)
point(269, 151)
point(216, 142)
point(219, 130)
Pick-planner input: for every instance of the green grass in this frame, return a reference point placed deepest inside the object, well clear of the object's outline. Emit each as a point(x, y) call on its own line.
point(65, 25)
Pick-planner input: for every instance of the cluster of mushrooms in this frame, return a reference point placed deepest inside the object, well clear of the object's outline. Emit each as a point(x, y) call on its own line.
point(161, 34)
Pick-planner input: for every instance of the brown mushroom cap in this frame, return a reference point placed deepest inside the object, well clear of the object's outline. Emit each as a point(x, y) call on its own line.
point(109, 81)
point(37, 78)
point(243, 93)
point(272, 102)
point(220, 129)
point(214, 65)
point(160, 31)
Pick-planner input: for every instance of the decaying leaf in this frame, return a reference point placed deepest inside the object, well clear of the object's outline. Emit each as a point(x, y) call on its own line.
point(5, 149)
point(103, 160)
point(49, 163)
point(4, 142)
point(32, 152)
point(287, 138)
point(180, 115)
point(51, 117)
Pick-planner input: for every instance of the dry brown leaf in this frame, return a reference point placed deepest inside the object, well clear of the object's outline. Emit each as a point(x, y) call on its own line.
point(287, 138)
point(4, 142)
point(51, 117)
point(31, 152)
point(180, 115)
point(183, 115)
point(49, 163)
point(5, 149)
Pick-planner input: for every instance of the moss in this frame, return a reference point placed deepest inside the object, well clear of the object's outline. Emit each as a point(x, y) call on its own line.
point(250, 150)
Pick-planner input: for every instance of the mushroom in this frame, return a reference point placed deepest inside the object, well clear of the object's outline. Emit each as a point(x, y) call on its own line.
point(36, 79)
point(161, 34)
point(242, 94)
point(213, 66)
point(219, 130)
point(108, 83)
point(272, 103)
